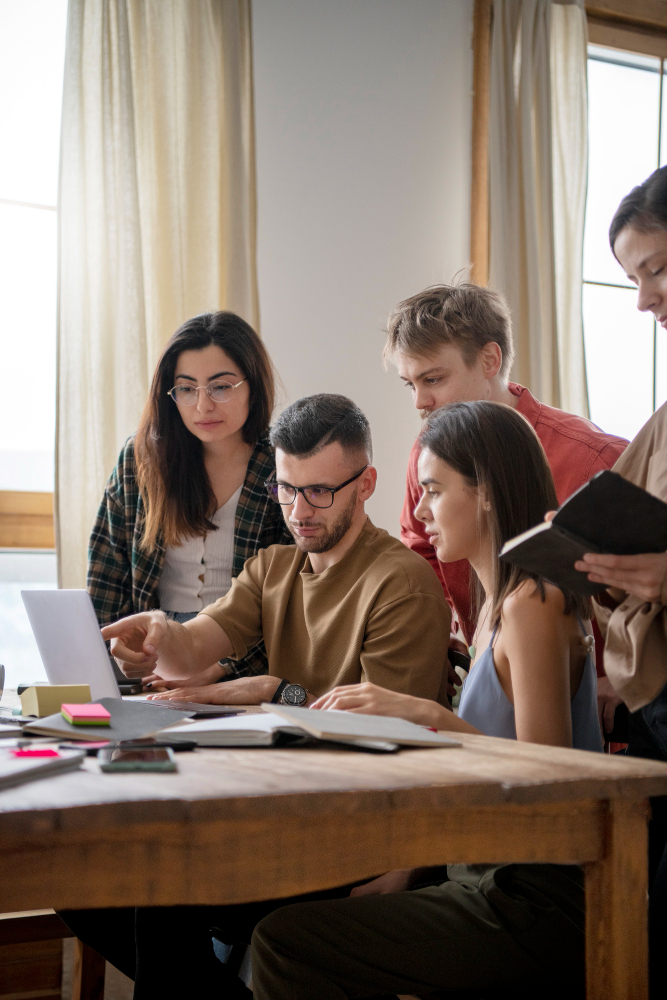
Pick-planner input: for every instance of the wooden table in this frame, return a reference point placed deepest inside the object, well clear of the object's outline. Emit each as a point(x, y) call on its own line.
point(239, 825)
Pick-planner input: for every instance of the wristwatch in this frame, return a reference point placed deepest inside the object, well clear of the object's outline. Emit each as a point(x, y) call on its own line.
point(289, 694)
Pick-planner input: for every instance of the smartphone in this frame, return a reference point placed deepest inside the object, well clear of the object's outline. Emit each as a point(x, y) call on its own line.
point(161, 759)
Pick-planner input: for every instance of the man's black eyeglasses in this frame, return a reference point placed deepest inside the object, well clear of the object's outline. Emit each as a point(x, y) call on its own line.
point(315, 496)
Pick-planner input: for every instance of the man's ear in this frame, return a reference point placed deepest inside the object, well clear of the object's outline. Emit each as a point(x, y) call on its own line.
point(491, 358)
point(368, 483)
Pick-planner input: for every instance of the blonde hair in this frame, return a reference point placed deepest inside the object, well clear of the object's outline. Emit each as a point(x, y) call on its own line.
point(468, 316)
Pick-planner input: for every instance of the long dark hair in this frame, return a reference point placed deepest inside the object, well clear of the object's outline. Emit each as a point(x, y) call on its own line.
point(645, 208)
point(495, 449)
point(172, 478)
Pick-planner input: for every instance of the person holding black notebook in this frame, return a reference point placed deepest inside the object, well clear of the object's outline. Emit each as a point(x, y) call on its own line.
point(633, 610)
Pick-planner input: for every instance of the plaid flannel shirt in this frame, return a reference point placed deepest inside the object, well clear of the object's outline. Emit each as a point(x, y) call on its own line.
point(123, 579)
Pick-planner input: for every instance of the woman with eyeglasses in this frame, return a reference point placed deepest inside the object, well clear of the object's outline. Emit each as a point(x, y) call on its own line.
point(186, 504)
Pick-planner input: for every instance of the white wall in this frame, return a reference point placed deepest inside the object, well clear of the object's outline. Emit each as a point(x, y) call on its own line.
point(363, 112)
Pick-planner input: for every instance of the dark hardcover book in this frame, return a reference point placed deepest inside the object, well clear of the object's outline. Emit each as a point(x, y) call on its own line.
point(608, 514)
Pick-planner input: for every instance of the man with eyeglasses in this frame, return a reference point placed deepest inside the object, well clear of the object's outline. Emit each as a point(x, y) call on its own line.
point(347, 603)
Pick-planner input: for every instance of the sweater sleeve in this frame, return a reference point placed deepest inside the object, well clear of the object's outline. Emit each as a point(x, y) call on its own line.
point(109, 578)
point(635, 631)
point(635, 650)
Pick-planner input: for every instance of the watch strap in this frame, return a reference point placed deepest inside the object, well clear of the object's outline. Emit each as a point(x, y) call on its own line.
point(278, 692)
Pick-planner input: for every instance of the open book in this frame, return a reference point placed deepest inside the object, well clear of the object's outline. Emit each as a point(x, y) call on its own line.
point(372, 732)
point(608, 514)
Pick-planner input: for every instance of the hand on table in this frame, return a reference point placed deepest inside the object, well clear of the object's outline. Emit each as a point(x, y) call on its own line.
point(641, 576)
point(135, 641)
point(211, 675)
point(241, 691)
point(396, 881)
point(608, 702)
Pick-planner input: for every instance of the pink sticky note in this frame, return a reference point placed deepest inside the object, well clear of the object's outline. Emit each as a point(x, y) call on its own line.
point(35, 753)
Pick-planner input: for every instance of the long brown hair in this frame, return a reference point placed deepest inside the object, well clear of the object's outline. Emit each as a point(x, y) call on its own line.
point(496, 450)
point(177, 494)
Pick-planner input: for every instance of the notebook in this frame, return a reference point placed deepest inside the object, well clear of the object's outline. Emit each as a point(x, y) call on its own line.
point(258, 730)
point(368, 731)
point(16, 770)
point(608, 514)
point(8, 730)
point(342, 726)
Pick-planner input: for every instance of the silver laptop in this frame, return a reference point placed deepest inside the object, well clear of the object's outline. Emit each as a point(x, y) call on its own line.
point(69, 640)
point(73, 651)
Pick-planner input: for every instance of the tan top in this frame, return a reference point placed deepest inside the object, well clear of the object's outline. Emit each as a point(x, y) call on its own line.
point(635, 632)
point(378, 615)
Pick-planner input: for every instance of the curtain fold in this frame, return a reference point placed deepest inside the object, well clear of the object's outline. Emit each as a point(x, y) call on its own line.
point(538, 163)
point(157, 218)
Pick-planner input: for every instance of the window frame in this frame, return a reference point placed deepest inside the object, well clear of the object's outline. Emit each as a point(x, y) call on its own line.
point(634, 25)
point(26, 520)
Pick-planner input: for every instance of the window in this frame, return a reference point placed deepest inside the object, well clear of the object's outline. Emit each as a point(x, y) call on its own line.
point(627, 124)
point(22, 570)
point(32, 55)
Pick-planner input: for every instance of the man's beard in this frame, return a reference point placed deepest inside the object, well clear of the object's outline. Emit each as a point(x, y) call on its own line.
point(331, 537)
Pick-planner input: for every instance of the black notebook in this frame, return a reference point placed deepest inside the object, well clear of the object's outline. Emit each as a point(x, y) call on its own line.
point(608, 514)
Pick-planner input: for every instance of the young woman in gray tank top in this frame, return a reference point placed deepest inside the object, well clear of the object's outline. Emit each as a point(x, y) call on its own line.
point(485, 478)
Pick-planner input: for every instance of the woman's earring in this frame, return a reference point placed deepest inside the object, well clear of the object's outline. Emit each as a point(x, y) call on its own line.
point(487, 507)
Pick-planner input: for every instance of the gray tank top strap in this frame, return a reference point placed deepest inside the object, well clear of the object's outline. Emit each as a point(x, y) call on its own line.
point(485, 705)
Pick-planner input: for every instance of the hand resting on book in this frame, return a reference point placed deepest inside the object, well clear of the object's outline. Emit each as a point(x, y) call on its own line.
point(371, 699)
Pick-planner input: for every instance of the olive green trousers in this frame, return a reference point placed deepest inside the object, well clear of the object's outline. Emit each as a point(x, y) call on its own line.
point(493, 929)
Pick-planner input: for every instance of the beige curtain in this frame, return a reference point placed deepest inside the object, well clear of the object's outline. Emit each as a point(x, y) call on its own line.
point(538, 162)
point(157, 218)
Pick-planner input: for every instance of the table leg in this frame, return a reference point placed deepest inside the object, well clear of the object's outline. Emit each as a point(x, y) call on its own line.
point(617, 907)
point(89, 973)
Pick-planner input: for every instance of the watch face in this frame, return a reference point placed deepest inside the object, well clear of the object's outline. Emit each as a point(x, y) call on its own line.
point(294, 694)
